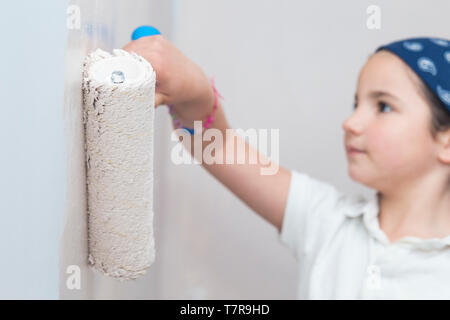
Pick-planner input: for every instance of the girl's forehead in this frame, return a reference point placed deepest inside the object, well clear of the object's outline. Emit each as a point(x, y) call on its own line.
point(386, 72)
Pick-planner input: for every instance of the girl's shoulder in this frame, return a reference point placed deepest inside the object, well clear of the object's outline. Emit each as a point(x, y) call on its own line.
point(316, 211)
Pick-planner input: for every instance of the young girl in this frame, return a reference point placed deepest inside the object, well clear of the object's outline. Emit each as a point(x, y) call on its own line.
point(396, 245)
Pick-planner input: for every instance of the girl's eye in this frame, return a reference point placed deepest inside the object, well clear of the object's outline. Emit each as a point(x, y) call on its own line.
point(382, 105)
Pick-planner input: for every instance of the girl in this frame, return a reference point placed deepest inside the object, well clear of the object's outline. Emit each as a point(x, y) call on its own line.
point(396, 245)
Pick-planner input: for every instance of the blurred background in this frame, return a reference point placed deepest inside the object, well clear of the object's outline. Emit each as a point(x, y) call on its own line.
point(284, 64)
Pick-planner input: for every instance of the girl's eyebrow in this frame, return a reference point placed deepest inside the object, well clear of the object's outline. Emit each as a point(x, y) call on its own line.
point(378, 94)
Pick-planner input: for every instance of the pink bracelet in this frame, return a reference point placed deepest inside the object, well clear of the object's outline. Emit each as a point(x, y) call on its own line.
point(209, 119)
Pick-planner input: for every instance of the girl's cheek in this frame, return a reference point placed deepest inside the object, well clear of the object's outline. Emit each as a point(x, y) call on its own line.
point(387, 148)
point(399, 148)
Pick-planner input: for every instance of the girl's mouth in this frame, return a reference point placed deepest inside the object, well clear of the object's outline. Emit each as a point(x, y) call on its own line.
point(351, 150)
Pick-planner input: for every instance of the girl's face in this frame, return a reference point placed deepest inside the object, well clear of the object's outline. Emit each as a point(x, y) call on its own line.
point(390, 124)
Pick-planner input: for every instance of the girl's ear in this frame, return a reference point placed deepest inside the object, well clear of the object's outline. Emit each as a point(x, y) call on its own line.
point(443, 139)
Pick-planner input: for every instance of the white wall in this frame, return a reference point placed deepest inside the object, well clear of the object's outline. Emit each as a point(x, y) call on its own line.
point(284, 64)
point(32, 156)
point(105, 24)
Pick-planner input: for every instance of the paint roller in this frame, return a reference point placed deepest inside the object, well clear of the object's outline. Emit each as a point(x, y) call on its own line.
point(118, 116)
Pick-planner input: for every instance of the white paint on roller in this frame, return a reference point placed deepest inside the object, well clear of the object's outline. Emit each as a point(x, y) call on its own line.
point(119, 122)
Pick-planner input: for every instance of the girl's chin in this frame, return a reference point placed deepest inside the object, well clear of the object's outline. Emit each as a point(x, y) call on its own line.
point(356, 173)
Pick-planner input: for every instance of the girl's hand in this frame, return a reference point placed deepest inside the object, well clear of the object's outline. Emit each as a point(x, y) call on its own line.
point(179, 81)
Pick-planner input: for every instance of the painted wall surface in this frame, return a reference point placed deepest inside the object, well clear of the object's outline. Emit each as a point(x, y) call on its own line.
point(32, 155)
point(105, 24)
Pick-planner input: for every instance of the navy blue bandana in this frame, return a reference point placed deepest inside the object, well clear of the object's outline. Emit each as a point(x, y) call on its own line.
point(430, 60)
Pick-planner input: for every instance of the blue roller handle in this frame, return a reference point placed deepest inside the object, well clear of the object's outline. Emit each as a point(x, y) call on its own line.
point(144, 31)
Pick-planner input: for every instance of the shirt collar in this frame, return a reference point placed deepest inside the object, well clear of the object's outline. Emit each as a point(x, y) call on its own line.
point(369, 210)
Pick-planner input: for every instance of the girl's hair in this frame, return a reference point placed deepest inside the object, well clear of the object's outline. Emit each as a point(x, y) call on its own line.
point(440, 116)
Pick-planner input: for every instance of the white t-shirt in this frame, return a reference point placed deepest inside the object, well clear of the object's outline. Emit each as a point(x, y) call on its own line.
point(343, 254)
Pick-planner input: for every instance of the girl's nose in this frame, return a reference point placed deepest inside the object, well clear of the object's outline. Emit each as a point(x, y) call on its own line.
point(353, 125)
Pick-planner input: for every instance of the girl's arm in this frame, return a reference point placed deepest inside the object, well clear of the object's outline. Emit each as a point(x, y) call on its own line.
point(265, 194)
point(183, 83)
